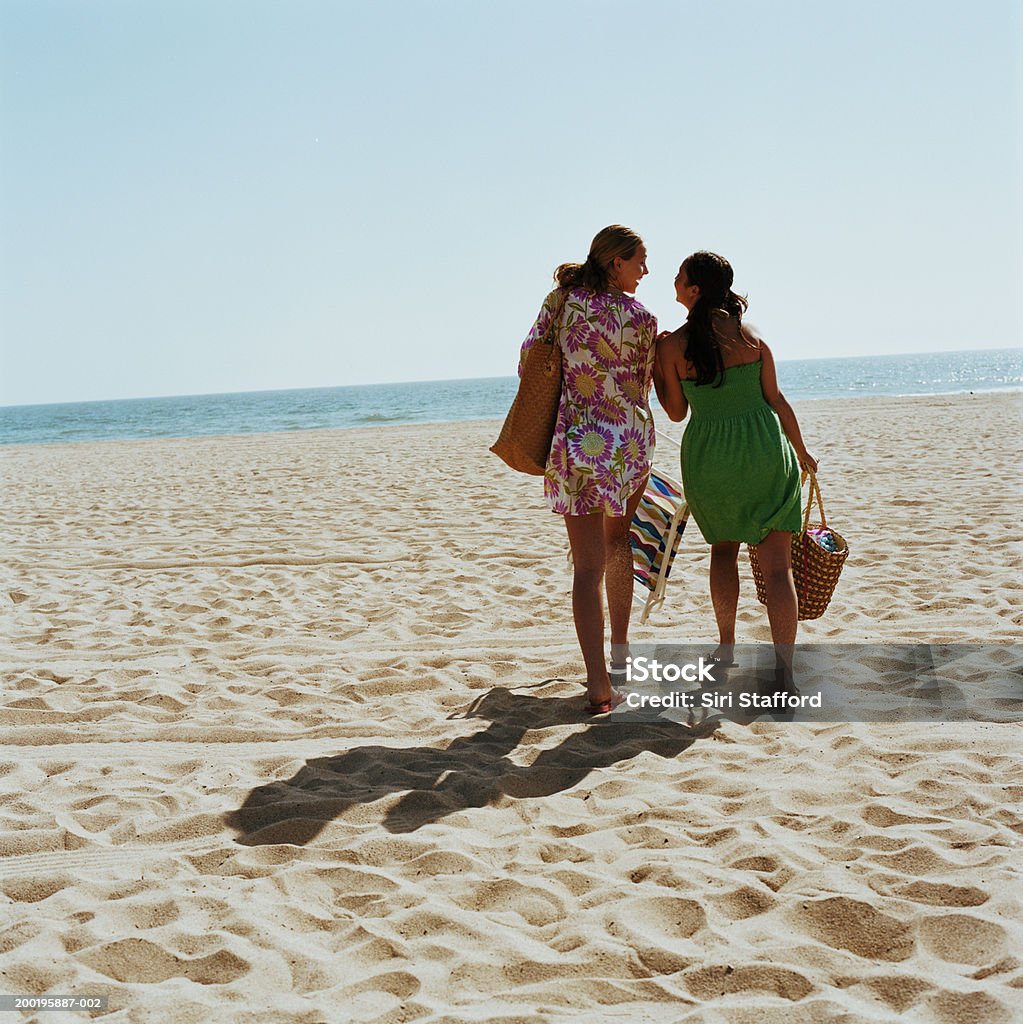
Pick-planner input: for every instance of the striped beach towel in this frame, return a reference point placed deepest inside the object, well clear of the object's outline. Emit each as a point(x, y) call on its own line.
point(655, 534)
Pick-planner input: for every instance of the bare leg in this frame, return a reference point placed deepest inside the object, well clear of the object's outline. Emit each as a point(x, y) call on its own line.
point(775, 556)
point(724, 594)
point(618, 577)
point(586, 536)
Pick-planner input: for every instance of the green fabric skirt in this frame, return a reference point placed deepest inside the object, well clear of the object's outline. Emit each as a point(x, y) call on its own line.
point(739, 470)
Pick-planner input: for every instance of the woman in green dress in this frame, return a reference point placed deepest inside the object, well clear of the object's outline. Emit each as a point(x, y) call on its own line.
point(742, 450)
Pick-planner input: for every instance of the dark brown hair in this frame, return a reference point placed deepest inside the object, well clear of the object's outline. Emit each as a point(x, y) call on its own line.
point(713, 275)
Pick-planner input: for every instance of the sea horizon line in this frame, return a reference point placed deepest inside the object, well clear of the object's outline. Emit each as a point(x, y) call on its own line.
point(499, 377)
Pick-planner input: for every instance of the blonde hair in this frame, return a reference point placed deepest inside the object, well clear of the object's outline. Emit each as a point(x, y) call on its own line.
point(608, 244)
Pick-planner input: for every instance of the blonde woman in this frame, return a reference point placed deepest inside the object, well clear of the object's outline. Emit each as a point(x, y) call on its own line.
point(604, 438)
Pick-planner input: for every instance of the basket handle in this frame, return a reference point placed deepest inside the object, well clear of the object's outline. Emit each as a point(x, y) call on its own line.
point(550, 336)
point(815, 492)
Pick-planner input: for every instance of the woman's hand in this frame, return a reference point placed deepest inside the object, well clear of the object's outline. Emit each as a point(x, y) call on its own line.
point(807, 462)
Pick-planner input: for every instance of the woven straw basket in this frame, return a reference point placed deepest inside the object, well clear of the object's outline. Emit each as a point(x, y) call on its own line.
point(525, 440)
point(815, 570)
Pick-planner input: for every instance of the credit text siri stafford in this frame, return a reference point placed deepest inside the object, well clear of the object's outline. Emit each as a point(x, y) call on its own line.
point(709, 699)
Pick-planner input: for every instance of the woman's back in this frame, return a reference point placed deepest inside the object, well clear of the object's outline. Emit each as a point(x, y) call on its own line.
point(738, 392)
point(738, 343)
point(739, 471)
point(604, 434)
point(607, 343)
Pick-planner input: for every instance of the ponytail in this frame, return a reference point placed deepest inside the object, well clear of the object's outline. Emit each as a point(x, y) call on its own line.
point(589, 275)
point(608, 244)
point(713, 275)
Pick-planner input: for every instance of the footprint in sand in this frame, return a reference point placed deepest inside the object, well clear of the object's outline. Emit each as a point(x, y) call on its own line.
point(713, 982)
point(35, 888)
point(138, 961)
point(898, 991)
point(844, 923)
point(975, 1007)
point(744, 902)
point(534, 905)
point(963, 939)
point(397, 983)
point(658, 920)
point(18, 934)
point(939, 894)
point(33, 979)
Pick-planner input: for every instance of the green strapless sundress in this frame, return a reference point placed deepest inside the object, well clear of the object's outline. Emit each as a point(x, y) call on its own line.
point(739, 470)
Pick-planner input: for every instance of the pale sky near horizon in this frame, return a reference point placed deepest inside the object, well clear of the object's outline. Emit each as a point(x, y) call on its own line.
point(205, 196)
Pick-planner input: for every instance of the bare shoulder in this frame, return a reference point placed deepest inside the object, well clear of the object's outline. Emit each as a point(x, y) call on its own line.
point(751, 335)
point(672, 347)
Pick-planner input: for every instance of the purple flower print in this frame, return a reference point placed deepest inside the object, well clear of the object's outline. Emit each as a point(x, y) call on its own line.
point(586, 500)
point(633, 449)
point(578, 334)
point(629, 386)
point(608, 480)
point(602, 441)
point(543, 321)
point(606, 311)
point(610, 410)
point(587, 382)
point(603, 353)
point(592, 444)
point(560, 463)
point(644, 321)
point(558, 504)
point(538, 330)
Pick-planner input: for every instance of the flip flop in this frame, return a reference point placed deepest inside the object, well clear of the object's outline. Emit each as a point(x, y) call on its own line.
point(605, 706)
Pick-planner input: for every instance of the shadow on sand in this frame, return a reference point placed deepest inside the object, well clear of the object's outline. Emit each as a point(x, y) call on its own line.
point(472, 771)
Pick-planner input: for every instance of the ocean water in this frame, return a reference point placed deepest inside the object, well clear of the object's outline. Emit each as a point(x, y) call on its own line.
point(444, 401)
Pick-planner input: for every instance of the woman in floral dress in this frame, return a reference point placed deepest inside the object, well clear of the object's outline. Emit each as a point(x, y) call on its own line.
point(604, 437)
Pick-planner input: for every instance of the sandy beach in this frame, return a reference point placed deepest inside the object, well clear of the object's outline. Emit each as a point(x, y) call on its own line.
point(293, 732)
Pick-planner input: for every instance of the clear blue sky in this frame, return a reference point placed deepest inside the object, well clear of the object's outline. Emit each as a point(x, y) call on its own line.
point(202, 196)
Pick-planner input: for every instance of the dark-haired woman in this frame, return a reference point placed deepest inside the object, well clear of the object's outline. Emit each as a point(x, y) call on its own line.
point(604, 437)
point(742, 449)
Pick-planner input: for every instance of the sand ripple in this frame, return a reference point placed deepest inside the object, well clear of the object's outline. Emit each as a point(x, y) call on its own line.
point(292, 732)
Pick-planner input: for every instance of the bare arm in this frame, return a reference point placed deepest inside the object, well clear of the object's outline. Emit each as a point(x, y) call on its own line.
point(777, 401)
point(669, 367)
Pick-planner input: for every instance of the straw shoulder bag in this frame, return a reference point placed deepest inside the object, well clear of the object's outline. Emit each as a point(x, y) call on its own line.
point(525, 440)
point(815, 569)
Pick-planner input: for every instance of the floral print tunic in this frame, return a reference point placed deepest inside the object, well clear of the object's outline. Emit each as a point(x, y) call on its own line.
point(604, 436)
